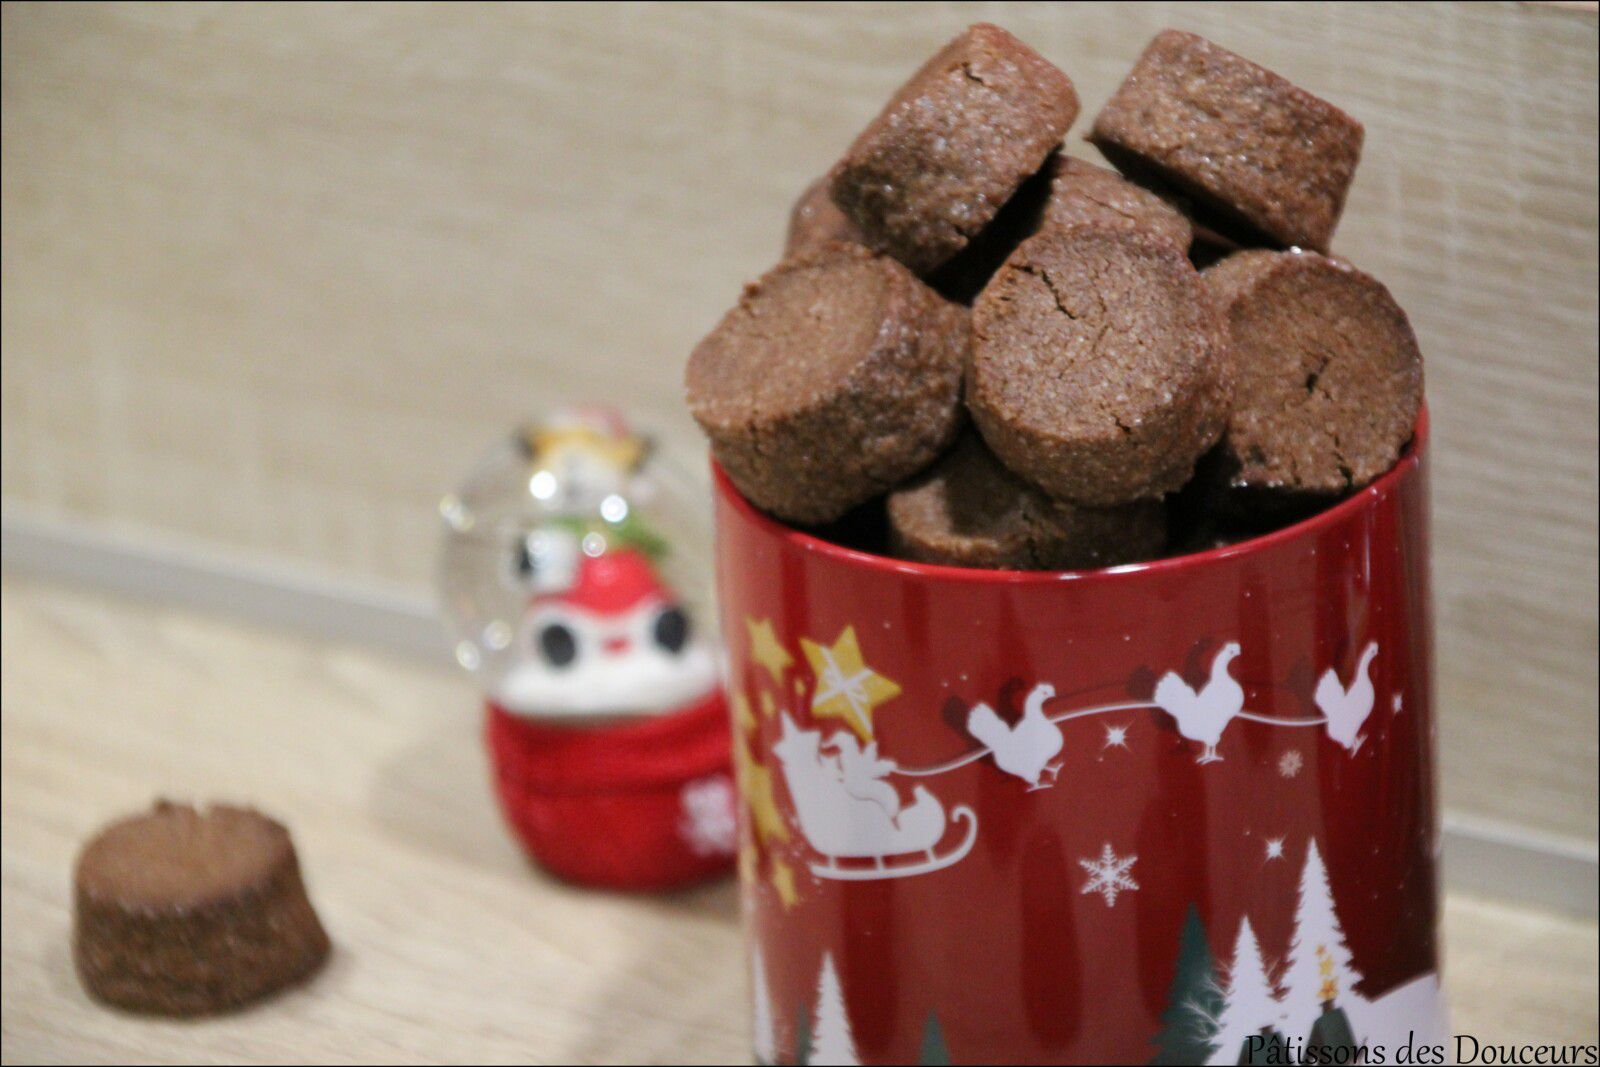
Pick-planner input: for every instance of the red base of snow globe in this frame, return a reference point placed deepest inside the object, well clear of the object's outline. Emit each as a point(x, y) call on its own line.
point(645, 804)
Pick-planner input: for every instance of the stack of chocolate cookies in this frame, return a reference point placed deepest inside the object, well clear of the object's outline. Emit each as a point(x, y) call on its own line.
point(1014, 356)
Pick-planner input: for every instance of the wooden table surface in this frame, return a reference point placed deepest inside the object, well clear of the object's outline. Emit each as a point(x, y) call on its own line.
point(448, 947)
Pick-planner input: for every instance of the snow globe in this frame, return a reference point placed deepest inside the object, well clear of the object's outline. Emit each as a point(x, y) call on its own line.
point(572, 574)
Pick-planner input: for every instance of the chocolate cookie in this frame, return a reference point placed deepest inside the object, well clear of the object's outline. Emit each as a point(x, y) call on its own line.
point(1267, 160)
point(183, 911)
point(1066, 192)
point(952, 145)
point(962, 277)
point(1082, 194)
point(815, 220)
point(1328, 377)
point(1099, 368)
point(969, 511)
point(837, 375)
point(1208, 513)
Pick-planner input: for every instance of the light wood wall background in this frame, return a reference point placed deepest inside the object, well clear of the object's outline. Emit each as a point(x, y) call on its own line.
point(273, 275)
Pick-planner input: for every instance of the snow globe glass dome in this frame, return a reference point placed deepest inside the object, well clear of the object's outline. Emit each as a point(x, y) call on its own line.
point(575, 571)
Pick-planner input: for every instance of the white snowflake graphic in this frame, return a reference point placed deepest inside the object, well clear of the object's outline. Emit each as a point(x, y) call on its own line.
point(709, 825)
point(1116, 737)
point(1290, 763)
point(1274, 849)
point(1398, 703)
point(1108, 875)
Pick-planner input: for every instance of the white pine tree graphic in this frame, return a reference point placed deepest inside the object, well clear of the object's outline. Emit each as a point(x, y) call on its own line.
point(831, 1042)
point(766, 1041)
point(1320, 967)
point(1250, 1002)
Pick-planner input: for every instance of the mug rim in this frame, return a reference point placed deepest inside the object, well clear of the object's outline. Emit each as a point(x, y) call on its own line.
point(810, 543)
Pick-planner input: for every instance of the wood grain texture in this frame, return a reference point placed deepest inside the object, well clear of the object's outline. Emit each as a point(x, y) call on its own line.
point(447, 947)
point(272, 276)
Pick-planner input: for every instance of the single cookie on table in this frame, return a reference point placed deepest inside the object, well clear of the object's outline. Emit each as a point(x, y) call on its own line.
point(1203, 537)
point(1265, 161)
point(1099, 366)
point(836, 376)
point(1083, 194)
point(969, 511)
point(186, 911)
point(1327, 373)
point(815, 220)
point(953, 144)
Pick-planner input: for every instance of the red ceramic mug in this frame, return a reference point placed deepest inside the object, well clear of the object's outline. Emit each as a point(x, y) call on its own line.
point(1181, 811)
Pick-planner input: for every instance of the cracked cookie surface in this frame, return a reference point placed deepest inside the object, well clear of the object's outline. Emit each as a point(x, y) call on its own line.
point(969, 511)
point(1099, 367)
point(1328, 376)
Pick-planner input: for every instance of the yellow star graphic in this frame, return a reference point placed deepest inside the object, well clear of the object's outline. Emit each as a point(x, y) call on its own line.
point(768, 705)
point(742, 715)
point(765, 649)
point(783, 882)
point(846, 687)
point(755, 784)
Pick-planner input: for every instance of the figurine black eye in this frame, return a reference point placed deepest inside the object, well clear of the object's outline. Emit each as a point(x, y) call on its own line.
point(558, 644)
point(672, 629)
point(523, 561)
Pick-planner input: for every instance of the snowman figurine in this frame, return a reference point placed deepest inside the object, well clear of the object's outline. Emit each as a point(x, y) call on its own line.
point(606, 725)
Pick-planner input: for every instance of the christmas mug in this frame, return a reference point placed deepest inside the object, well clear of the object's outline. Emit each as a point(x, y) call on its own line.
point(1175, 812)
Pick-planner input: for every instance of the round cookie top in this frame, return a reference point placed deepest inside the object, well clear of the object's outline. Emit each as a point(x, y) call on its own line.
point(177, 857)
point(1264, 156)
point(797, 335)
point(1083, 194)
point(1098, 368)
point(1328, 375)
point(952, 145)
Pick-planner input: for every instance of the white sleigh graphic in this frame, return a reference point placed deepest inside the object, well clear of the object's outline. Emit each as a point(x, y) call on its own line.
point(847, 810)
